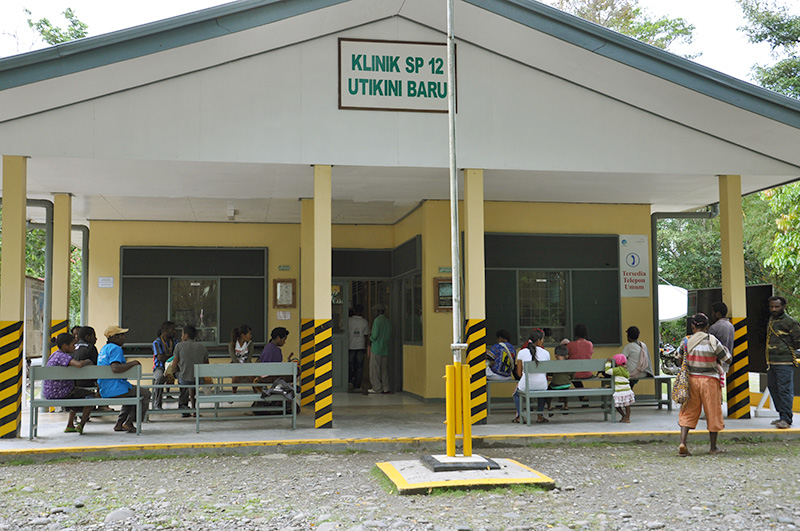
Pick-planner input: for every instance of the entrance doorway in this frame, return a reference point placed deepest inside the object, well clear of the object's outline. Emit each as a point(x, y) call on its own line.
point(345, 295)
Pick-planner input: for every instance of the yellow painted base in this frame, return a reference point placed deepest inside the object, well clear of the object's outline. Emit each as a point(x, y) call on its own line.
point(755, 399)
point(515, 473)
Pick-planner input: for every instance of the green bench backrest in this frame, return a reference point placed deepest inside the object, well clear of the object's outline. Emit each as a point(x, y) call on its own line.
point(530, 367)
point(91, 372)
point(221, 370)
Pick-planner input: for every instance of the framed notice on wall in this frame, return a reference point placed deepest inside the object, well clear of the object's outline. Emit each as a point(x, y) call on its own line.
point(443, 294)
point(283, 293)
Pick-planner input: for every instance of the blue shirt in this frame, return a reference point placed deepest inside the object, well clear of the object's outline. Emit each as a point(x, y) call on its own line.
point(109, 388)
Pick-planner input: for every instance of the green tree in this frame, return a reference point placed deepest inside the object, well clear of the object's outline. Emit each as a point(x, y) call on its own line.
point(771, 22)
point(35, 239)
point(626, 17)
point(53, 34)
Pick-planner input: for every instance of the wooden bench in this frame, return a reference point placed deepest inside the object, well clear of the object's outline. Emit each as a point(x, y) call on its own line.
point(605, 392)
point(221, 392)
point(658, 398)
point(91, 372)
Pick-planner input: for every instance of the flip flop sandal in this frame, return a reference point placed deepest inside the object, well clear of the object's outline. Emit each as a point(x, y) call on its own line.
point(515, 420)
point(71, 429)
point(542, 421)
point(683, 451)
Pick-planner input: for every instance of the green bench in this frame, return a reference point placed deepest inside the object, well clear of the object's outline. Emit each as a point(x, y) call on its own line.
point(91, 372)
point(219, 392)
point(605, 392)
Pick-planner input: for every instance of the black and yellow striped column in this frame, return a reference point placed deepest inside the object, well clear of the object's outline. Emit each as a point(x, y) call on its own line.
point(323, 374)
point(475, 293)
point(10, 378)
point(322, 312)
point(307, 362)
point(739, 375)
point(12, 296)
point(56, 327)
point(476, 360)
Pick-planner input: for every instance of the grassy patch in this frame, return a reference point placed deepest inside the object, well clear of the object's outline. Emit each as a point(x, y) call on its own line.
point(382, 480)
point(19, 462)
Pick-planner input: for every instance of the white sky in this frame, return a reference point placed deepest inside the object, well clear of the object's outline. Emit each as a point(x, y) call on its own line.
point(723, 47)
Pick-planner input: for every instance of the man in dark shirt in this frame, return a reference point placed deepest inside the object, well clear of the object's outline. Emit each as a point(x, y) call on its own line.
point(272, 350)
point(85, 350)
point(783, 339)
point(722, 328)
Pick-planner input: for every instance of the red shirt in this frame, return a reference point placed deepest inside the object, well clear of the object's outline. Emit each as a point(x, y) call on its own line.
point(580, 349)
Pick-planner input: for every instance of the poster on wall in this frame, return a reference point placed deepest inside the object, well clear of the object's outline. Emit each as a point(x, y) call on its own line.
point(634, 265)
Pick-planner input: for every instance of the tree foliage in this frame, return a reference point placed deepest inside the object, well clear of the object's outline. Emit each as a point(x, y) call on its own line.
point(626, 17)
point(55, 35)
point(771, 22)
point(35, 239)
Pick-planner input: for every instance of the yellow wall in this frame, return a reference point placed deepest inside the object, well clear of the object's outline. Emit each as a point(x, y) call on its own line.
point(423, 366)
point(438, 326)
point(106, 238)
point(415, 366)
point(283, 241)
point(524, 218)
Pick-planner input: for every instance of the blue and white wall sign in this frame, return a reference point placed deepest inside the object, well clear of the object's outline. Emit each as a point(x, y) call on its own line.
point(634, 265)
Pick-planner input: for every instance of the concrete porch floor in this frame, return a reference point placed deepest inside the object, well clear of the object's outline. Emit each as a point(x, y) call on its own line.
point(371, 422)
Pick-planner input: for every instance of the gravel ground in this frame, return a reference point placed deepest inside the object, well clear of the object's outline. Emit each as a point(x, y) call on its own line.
point(755, 486)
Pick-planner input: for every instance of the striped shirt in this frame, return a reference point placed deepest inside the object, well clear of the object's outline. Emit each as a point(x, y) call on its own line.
point(703, 351)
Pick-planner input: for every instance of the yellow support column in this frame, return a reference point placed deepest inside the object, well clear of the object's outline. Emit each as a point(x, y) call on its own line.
point(306, 302)
point(62, 241)
point(733, 291)
point(12, 295)
point(475, 294)
point(323, 349)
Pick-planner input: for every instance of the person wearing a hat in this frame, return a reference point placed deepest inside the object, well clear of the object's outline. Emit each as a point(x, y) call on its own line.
point(378, 351)
point(639, 364)
point(704, 355)
point(111, 354)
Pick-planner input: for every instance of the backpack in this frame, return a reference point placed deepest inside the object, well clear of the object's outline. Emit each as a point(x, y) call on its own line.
point(504, 361)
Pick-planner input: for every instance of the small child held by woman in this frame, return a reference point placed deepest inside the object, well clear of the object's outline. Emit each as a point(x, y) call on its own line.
point(623, 394)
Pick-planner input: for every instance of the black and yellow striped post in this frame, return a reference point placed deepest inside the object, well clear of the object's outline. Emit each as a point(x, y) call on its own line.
point(739, 375)
point(56, 327)
point(307, 358)
point(11, 387)
point(476, 362)
point(323, 374)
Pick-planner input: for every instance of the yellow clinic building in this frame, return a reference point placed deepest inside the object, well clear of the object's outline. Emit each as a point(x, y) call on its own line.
point(278, 163)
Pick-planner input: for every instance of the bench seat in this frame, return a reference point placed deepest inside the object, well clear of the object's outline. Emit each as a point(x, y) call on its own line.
point(221, 374)
point(91, 372)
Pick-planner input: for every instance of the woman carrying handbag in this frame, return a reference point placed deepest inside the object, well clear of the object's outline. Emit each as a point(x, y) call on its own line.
point(704, 358)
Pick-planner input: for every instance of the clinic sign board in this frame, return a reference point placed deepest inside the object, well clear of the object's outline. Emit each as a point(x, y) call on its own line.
point(634, 265)
point(392, 75)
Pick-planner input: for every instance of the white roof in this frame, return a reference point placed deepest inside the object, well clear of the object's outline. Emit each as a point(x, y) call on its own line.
point(227, 108)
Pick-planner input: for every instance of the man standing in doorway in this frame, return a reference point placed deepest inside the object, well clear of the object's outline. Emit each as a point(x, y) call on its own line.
point(378, 351)
point(783, 338)
point(358, 328)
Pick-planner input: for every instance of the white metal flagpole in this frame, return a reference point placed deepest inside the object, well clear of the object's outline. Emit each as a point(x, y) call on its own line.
point(457, 346)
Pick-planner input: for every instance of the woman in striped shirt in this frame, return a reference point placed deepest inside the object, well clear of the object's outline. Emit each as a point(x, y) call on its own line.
point(704, 355)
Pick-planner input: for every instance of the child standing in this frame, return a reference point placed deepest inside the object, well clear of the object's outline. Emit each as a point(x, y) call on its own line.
point(560, 380)
point(623, 394)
